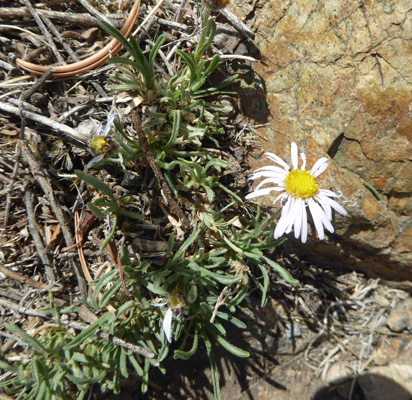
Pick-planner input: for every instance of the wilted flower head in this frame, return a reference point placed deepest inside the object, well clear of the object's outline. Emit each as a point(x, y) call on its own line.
point(101, 144)
point(299, 190)
point(176, 304)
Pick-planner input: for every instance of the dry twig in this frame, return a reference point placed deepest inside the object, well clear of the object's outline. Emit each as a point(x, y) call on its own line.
point(42, 177)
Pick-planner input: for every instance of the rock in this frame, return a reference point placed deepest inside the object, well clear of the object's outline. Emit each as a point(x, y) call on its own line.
point(338, 372)
point(387, 383)
point(401, 317)
point(337, 79)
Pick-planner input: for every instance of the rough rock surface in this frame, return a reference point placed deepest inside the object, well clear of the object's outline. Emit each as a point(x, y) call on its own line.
point(336, 77)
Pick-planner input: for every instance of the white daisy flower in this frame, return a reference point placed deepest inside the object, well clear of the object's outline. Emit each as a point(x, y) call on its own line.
point(101, 143)
point(298, 190)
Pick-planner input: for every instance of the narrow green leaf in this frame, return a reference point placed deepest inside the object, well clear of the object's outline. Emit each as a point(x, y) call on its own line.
point(108, 294)
point(227, 317)
point(190, 240)
point(238, 352)
point(97, 183)
point(131, 214)
point(161, 39)
point(81, 337)
point(265, 284)
point(26, 338)
point(111, 30)
point(234, 195)
point(282, 272)
point(185, 355)
point(225, 279)
point(188, 61)
point(111, 233)
point(213, 367)
point(372, 189)
point(175, 129)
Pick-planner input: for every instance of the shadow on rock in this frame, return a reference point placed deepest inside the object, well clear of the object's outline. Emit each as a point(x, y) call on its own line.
point(364, 387)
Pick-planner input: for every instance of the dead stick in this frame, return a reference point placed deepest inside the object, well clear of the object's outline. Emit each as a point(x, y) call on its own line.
point(82, 19)
point(43, 179)
point(44, 31)
point(67, 130)
point(176, 210)
point(34, 231)
point(26, 280)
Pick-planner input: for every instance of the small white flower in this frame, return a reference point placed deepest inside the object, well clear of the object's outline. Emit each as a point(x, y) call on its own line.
point(167, 324)
point(99, 143)
point(298, 190)
point(168, 317)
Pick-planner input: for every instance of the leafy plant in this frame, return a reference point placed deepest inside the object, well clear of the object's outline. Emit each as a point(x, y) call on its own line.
point(192, 293)
point(102, 207)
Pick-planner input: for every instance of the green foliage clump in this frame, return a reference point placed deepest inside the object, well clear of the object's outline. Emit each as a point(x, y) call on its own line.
point(209, 267)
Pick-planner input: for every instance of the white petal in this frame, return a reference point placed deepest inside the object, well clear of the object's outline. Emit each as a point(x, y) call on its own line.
point(328, 193)
point(98, 129)
point(304, 234)
point(323, 201)
point(332, 203)
point(285, 220)
point(319, 218)
point(273, 169)
point(303, 157)
point(298, 220)
point(319, 167)
point(93, 161)
point(167, 325)
point(260, 192)
point(294, 154)
point(277, 160)
point(316, 219)
point(265, 181)
point(108, 124)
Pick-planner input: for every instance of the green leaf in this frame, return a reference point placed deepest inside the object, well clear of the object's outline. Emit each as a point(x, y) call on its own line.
point(99, 285)
point(108, 294)
point(190, 240)
point(81, 337)
point(282, 272)
point(238, 352)
point(111, 30)
point(175, 130)
point(25, 337)
point(111, 233)
point(189, 62)
point(213, 367)
point(161, 39)
point(131, 214)
point(234, 195)
point(265, 284)
point(185, 355)
point(97, 183)
point(227, 317)
point(225, 279)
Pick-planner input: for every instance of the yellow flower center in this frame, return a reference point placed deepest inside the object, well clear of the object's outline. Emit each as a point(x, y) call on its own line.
point(98, 144)
point(301, 184)
point(176, 301)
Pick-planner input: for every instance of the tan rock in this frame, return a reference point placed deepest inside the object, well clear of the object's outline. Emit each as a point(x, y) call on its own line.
point(337, 79)
point(387, 383)
point(401, 317)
